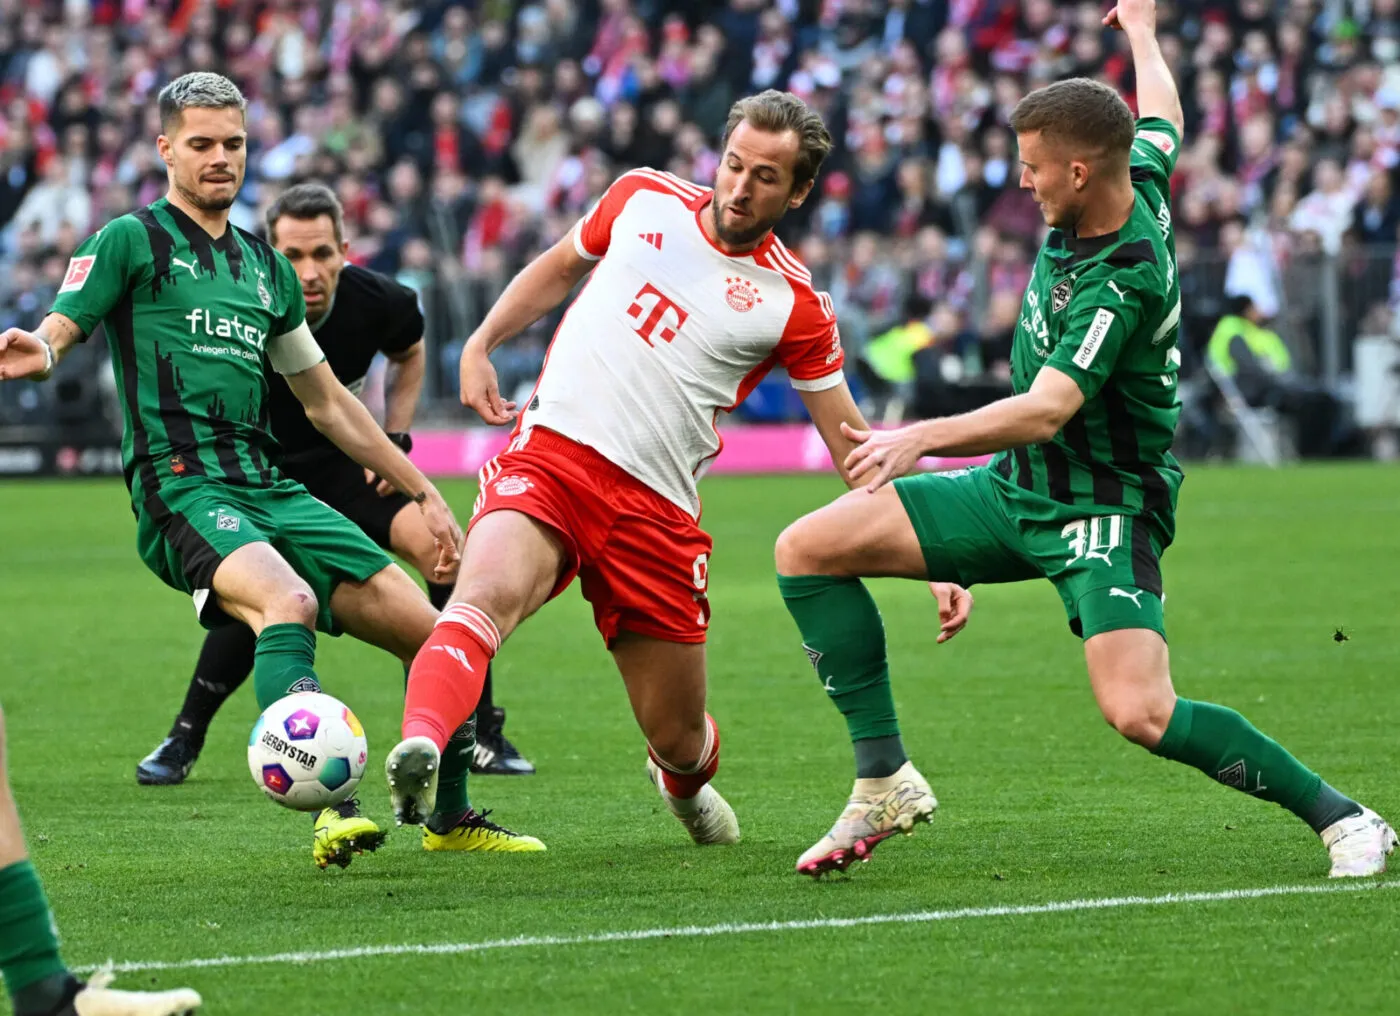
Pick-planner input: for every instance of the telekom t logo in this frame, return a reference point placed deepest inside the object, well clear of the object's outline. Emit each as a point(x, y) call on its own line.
point(651, 325)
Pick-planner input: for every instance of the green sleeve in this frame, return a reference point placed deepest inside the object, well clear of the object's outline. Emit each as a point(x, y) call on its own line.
point(1102, 316)
point(100, 273)
point(1156, 145)
point(289, 296)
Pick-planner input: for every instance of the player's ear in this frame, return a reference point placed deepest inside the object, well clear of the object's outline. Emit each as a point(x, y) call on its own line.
point(1079, 174)
point(799, 194)
point(163, 148)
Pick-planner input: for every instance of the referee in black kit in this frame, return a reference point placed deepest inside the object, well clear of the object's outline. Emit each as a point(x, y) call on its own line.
point(354, 314)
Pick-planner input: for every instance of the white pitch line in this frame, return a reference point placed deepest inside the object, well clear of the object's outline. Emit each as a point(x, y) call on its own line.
point(712, 930)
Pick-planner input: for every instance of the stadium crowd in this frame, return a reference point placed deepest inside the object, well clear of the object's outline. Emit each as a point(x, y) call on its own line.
point(464, 138)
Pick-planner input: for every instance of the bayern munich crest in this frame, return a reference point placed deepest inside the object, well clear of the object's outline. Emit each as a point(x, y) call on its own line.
point(742, 295)
point(509, 486)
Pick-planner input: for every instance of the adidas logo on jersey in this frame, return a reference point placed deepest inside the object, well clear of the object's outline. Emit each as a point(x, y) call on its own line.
point(652, 238)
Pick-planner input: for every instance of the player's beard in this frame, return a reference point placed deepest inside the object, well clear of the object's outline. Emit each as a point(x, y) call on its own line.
point(209, 203)
point(741, 237)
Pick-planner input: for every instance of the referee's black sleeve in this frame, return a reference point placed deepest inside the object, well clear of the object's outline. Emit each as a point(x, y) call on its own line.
point(403, 321)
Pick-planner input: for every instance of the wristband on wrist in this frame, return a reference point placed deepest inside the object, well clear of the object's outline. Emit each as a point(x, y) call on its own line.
point(49, 359)
point(403, 439)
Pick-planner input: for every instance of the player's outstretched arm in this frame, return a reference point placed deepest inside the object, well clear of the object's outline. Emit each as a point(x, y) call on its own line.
point(829, 409)
point(1029, 418)
point(541, 286)
point(335, 412)
point(33, 355)
point(1156, 91)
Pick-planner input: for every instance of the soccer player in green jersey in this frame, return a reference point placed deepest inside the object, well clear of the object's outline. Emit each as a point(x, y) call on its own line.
point(192, 306)
point(38, 982)
point(1082, 490)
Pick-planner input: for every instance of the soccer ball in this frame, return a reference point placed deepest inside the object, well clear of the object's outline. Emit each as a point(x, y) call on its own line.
point(307, 751)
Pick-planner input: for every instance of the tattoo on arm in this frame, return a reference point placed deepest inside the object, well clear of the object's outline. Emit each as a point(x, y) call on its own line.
point(60, 333)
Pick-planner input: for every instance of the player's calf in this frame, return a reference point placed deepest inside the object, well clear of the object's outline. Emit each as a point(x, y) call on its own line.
point(683, 769)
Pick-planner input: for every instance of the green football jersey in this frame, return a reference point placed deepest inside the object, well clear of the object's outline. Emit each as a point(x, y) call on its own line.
point(1104, 310)
point(188, 319)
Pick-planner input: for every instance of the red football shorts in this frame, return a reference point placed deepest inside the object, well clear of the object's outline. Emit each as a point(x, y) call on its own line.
point(642, 560)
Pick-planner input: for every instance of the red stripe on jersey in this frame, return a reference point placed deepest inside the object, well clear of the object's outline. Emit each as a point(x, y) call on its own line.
point(689, 190)
point(782, 254)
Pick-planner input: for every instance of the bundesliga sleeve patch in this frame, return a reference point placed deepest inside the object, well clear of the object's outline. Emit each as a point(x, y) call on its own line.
point(78, 271)
point(1093, 338)
point(1158, 139)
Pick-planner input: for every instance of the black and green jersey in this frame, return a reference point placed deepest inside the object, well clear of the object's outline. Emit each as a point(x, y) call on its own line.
point(188, 319)
point(1104, 310)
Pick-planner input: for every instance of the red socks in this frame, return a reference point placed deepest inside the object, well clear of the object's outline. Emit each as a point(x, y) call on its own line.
point(688, 783)
point(444, 683)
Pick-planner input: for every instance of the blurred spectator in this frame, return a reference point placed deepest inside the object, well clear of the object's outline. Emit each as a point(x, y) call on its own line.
point(462, 138)
point(1245, 349)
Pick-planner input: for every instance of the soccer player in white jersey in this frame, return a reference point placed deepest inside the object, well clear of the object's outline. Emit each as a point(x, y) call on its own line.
point(691, 302)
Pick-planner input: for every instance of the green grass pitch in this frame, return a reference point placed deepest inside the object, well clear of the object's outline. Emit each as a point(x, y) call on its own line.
point(1041, 802)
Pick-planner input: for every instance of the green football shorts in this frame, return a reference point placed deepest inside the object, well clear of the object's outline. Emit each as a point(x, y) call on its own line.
point(1105, 568)
point(186, 529)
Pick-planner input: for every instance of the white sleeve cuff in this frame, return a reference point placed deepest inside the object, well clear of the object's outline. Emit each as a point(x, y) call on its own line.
point(820, 384)
point(578, 242)
point(294, 352)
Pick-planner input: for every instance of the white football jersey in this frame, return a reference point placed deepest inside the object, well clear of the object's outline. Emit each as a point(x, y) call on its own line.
point(669, 331)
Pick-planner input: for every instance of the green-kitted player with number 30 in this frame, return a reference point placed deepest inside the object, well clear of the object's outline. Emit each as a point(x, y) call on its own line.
point(1082, 490)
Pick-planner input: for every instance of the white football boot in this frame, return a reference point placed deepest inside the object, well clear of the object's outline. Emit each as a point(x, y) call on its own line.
point(1358, 845)
point(706, 816)
point(97, 999)
point(878, 809)
point(412, 770)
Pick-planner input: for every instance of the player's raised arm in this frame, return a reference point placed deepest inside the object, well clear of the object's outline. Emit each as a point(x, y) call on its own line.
point(540, 286)
point(1156, 91)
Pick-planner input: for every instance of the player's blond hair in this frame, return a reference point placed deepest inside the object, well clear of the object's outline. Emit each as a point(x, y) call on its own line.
point(778, 112)
point(197, 90)
point(1086, 116)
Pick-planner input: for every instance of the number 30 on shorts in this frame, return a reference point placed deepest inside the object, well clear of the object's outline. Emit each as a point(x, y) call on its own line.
point(1094, 538)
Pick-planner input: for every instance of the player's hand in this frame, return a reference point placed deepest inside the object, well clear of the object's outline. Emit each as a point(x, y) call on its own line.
point(381, 487)
point(480, 388)
point(1129, 15)
point(954, 607)
point(22, 355)
point(447, 535)
point(881, 455)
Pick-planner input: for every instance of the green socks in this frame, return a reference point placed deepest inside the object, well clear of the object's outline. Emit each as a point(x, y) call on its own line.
point(452, 802)
point(845, 640)
point(1227, 747)
point(283, 661)
point(36, 978)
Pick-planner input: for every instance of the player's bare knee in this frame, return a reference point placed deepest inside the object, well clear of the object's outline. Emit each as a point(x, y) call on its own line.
point(500, 602)
point(1138, 721)
point(296, 605)
point(797, 552)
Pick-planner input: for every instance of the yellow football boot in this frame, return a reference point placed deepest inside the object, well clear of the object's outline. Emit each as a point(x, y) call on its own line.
point(341, 833)
point(474, 832)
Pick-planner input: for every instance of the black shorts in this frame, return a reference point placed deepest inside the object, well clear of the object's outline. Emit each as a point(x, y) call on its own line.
point(340, 482)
